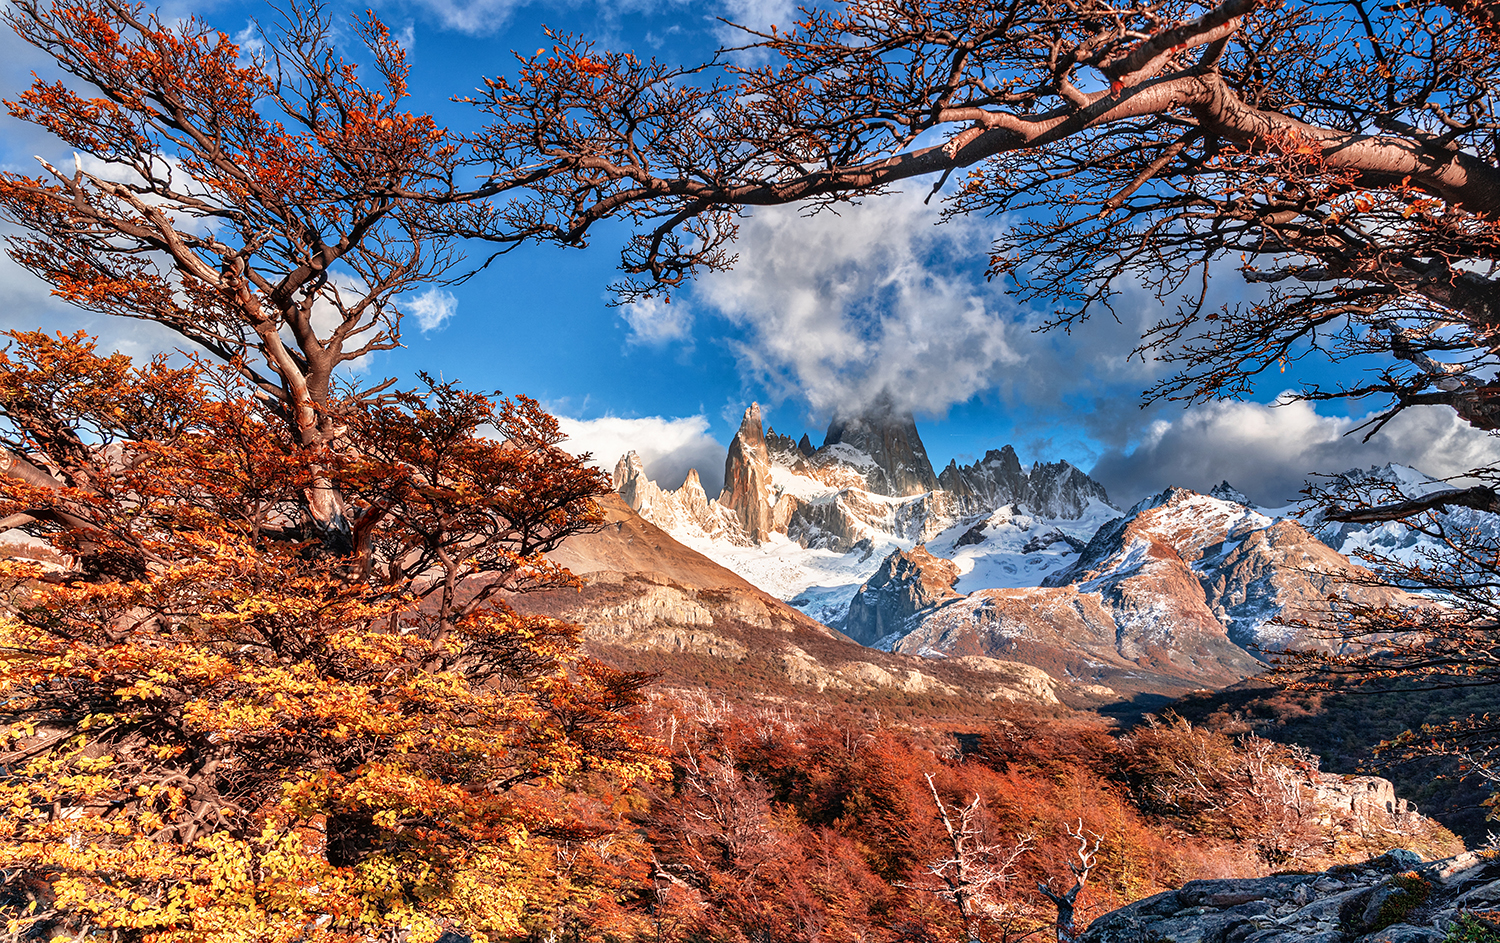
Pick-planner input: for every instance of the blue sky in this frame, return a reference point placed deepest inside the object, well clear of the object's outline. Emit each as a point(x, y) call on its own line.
point(819, 315)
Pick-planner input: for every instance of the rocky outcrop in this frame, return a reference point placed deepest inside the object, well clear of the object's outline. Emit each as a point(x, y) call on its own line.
point(904, 585)
point(1369, 796)
point(838, 522)
point(1055, 489)
point(1395, 898)
point(688, 508)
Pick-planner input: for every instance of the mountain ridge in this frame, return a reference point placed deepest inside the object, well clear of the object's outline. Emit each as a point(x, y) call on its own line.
point(1180, 592)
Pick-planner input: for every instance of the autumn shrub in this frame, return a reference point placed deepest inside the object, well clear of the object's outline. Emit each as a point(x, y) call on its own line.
point(1474, 927)
point(1410, 891)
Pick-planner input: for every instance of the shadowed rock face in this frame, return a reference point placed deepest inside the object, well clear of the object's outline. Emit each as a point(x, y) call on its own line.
point(905, 584)
point(889, 437)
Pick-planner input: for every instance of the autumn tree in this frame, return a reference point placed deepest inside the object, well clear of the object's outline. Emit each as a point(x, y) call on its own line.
point(274, 690)
point(1341, 153)
point(275, 210)
point(244, 737)
point(971, 870)
point(1255, 792)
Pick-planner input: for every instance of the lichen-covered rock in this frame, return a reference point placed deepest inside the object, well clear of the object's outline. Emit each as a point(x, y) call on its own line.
point(1395, 898)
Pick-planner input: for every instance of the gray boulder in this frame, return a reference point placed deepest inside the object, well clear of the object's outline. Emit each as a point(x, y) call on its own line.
point(1395, 898)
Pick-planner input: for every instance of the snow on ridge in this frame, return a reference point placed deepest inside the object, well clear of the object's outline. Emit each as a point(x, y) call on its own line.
point(1392, 541)
point(803, 487)
point(1018, 549)
point(846, 454)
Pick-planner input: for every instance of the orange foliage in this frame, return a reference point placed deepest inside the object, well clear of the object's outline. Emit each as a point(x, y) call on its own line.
point(215, 730)
point(827, 830)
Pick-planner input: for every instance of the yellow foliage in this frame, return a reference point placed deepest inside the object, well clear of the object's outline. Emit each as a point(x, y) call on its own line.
point(248, 739)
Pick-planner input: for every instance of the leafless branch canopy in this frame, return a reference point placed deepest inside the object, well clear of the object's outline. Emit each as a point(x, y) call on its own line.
point(1342, 155)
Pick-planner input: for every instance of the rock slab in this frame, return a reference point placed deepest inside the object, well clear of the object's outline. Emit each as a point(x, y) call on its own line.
point(1395, 898)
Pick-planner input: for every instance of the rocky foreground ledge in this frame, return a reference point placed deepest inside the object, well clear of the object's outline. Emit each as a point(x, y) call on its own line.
point(1395, 898)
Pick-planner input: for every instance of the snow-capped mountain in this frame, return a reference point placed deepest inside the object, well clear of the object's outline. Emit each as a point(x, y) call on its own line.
point(1392, 542)
point(810, 525)
point(996, 560)
point(1179, 592)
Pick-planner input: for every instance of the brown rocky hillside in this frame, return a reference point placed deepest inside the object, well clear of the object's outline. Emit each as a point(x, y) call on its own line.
point(650, 603)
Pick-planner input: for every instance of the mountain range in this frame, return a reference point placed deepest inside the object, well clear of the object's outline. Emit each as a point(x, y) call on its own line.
point(995, 560)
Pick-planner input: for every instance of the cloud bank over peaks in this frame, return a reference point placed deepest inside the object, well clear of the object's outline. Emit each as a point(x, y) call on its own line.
point(1268, 451)
point(668, 448)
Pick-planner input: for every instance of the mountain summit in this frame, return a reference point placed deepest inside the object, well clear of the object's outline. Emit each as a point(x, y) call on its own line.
point(888, 438)
point(871, 481)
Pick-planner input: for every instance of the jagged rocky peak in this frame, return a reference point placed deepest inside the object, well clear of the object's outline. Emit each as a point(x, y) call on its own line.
point(782, 449)
point(692, 487)
point(1059, 489)
point(1055, 489)
point(631, 482)
point(899, 466)
point(1224, 491)
point(686, 510)
point(805, 446)
point(747, 478)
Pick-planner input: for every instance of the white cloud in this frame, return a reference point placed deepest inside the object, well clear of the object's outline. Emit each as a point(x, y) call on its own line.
point(484, 17)
point(432, 308)
point(759, 15)
point(474, 17)
point(252, 44)
point(1269, 451)
point(841, 307)
point(656, 323)
point(667, 447)
point(27, 304)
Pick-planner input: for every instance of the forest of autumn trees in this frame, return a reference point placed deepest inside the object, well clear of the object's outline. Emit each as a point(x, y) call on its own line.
point(268, 686)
